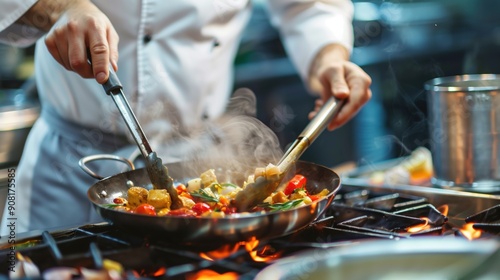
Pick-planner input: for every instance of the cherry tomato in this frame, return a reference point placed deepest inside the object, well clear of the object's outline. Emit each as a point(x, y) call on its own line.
point(145, 209)
point(298, 181)
point(182, 212)
point(200, 208)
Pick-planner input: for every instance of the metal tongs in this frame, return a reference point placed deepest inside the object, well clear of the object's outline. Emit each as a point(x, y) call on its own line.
point(255, 193)
point(158, 173)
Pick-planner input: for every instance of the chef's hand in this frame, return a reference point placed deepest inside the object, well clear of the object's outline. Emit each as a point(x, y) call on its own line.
point(75, 26)
point(333, 74)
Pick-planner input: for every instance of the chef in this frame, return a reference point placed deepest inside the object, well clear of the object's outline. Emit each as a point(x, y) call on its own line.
point(175, 61)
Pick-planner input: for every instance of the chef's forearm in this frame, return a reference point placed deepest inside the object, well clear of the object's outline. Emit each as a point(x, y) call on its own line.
point(44, 13)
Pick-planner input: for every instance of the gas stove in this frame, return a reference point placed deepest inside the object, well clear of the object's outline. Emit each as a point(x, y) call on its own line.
point(359, 213)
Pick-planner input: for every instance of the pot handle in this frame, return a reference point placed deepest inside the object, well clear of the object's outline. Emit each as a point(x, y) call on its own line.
point(83, 163)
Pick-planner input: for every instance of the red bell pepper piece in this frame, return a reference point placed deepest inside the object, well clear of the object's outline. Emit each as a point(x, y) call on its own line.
point(313, 197)
point(298, 181)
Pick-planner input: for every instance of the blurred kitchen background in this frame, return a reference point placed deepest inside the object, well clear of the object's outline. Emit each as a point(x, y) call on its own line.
point(401, 44)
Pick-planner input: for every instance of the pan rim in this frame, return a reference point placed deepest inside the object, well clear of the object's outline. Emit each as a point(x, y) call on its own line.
point(239, 216)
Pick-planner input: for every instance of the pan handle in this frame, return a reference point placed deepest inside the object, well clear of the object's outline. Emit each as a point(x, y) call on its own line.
point(83, 163)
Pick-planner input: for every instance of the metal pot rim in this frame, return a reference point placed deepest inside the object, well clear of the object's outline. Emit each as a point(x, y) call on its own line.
point(18, 119)
point(464, 83)
point(17, 111)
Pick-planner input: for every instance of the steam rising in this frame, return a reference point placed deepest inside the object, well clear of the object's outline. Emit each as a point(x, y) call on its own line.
point(236, 142)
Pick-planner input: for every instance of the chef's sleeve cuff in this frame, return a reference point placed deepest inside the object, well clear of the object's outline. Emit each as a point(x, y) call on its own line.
point(308, 27)
point(13, 33)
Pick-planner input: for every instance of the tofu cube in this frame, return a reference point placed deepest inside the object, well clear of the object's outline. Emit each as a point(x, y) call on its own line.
point(159, 199)
point(208, 177)
point(137, 196)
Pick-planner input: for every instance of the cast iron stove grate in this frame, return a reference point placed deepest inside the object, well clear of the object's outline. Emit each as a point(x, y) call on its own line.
point(142, 258)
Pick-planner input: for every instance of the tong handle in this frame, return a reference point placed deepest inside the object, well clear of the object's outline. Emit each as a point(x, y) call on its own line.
point(329, 110)
point(158, 173)
point(113, 87)
point(322, 119)
point(113, 84)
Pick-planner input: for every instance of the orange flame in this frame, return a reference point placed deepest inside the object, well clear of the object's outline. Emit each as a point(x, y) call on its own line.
point(207, 274)
point(251, 244)
point(314, 205)
point(143, 272)
point(470, 232)
point(222, 252)
point(444, 209)
point(161, 271)
point(265, 254)
point(420, 227)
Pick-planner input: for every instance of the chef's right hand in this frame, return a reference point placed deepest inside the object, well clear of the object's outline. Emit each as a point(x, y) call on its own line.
point(81, 27)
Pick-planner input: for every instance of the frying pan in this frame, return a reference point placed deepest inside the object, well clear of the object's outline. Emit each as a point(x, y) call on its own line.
point(229, 229)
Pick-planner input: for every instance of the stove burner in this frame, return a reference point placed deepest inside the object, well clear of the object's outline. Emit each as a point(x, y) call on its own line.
point(487, 220)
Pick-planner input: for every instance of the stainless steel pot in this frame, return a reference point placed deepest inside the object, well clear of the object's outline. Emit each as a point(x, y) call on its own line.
point(18, 112)
point(464, 123)
point(206, 230)
point(416, 258)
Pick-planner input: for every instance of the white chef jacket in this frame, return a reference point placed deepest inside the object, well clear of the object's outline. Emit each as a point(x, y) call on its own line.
point(179, 75)
point(175, 59)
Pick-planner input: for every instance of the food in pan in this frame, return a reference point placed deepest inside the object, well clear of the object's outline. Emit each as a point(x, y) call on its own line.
point(205, 196)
